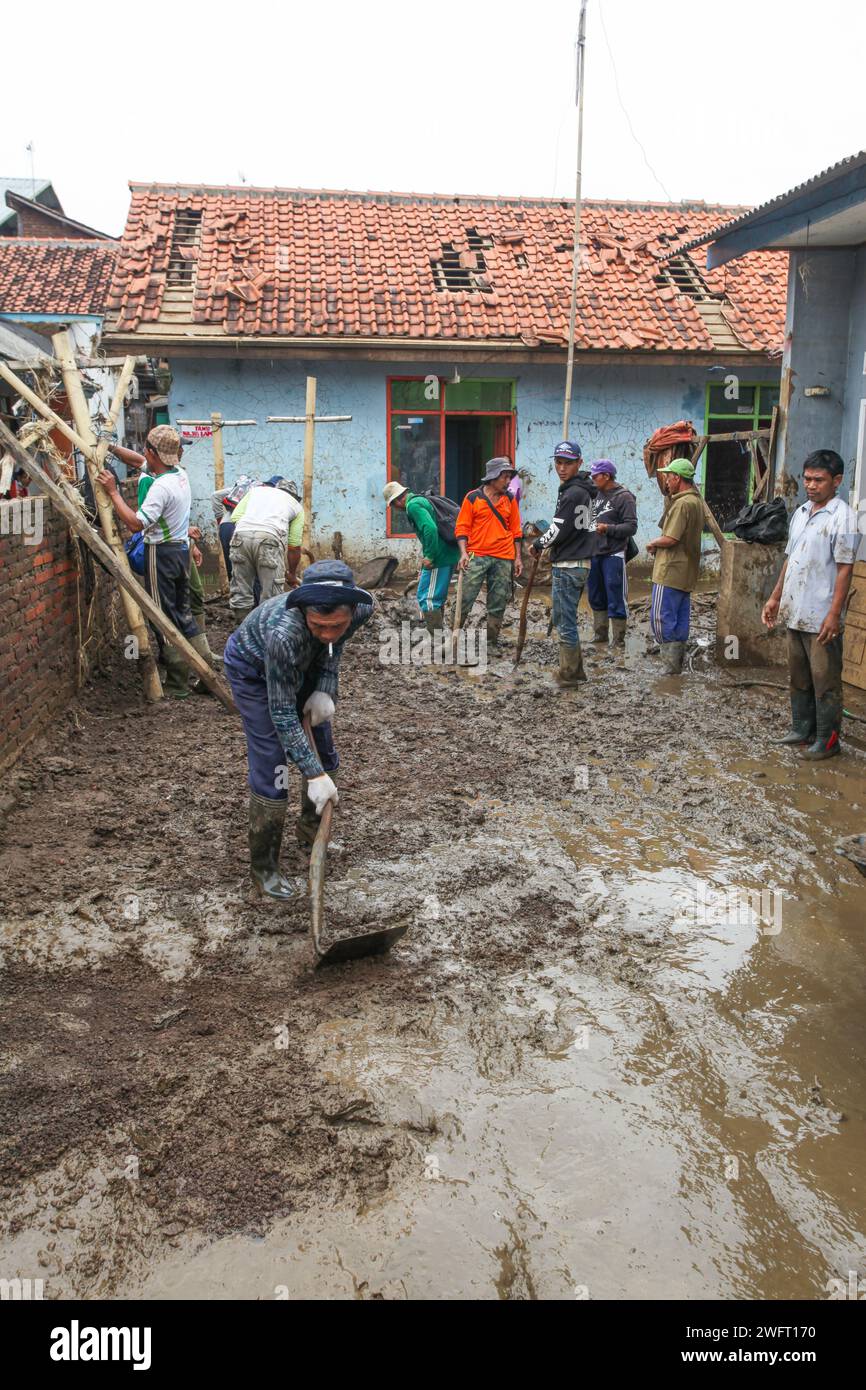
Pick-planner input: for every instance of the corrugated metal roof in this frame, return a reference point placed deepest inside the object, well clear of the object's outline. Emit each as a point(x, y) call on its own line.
point(845, 166)
point(24, 188)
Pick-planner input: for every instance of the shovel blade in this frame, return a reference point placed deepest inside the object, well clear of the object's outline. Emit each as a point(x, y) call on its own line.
point(374, 943)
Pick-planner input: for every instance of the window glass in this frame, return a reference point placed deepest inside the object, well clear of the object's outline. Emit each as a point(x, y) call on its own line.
point(478, 395)
point(728, 404)
point(769, 398)
point(415, 395)
point(415, 450)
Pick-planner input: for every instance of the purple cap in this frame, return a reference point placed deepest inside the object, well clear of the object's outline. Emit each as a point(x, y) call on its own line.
point(602, 466)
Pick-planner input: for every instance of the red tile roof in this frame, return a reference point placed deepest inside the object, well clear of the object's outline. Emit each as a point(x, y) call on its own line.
point(39, 276)
point(301, 264)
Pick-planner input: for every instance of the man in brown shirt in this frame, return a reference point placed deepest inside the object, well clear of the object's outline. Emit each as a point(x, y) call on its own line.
point(677, 562)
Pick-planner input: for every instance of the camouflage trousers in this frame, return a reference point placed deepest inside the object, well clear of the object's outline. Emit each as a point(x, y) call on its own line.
point(498, 574)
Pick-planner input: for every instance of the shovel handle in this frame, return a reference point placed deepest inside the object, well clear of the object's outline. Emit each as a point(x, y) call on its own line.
point(324, 831)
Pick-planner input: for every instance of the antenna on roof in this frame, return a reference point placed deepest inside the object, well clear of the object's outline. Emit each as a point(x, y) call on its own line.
point(31, 150)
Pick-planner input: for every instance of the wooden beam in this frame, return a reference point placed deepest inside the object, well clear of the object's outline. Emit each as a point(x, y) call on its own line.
point(94, 460)
point(219, 458)
point(78, 523)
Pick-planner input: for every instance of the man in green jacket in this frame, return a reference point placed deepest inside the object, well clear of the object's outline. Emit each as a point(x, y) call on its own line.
point(440, 558)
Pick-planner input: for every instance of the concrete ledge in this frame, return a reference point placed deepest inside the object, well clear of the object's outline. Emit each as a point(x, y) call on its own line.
point(748, 576)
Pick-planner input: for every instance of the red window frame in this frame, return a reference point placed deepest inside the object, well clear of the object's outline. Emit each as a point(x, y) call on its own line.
point(508, 415)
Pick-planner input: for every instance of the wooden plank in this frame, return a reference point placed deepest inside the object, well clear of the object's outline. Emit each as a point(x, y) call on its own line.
point(78, 523)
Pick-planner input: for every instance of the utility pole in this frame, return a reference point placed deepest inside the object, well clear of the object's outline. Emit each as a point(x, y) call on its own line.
point(569, 371)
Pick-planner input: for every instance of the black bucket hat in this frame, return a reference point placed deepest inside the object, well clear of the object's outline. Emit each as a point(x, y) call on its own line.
point(327, 584)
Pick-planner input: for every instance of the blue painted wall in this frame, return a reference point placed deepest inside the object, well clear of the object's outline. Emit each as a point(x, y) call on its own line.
point(615, 409)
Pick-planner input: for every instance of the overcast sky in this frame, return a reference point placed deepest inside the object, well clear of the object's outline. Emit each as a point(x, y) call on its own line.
point(732, 101)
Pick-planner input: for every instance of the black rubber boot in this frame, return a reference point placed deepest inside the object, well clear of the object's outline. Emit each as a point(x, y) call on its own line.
point(571, 670)
point(802, 719)
point(307, 823)
point(267, 819)
point(829, 721)
point(494, 626)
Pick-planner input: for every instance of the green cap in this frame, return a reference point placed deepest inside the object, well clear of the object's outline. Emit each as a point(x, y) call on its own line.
point(681, 467)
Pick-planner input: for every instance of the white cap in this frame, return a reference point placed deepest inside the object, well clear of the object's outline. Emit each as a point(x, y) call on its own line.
point(392, 490)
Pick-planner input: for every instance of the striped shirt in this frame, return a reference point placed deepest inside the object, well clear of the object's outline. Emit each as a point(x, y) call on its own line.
point(276, 642)
point(165, 509)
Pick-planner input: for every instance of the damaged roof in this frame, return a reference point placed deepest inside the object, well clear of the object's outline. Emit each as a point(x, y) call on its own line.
point(211, 263)
point(54, 277)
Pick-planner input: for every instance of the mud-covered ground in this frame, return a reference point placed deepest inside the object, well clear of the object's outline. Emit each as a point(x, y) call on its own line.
point(582, 1073)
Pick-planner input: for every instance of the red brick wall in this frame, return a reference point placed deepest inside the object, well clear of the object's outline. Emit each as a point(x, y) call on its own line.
point(32, 223)
point(42, 594)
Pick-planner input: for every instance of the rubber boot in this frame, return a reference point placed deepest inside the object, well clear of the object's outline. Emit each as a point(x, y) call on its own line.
point(494, 626)
point(829, 721)
point(433, 620)
point(238, 615)
point(176, 673)
point(599, 622)
point(571, 670)
point(673, 655)
point(267, 819)
point(307, 823)
point(802, 719)
point(618, 628)
point(202, 646)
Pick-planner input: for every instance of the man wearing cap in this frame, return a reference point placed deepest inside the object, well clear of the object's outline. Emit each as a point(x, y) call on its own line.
point(163, 516)
point(615, 524)
point(572, 544)
point(676, 563)
point(283, 663)
point(439, 558)
point(269, 527)
point(489, 532)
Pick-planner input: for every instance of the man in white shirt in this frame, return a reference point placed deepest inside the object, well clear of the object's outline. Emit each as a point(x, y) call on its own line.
point(163, 516)
point(810, 597)
point(269, 526)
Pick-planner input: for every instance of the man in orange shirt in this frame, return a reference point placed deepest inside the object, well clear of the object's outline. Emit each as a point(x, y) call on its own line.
point(489, 533)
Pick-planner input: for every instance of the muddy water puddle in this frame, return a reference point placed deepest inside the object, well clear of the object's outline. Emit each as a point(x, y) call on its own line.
point(669, 1108)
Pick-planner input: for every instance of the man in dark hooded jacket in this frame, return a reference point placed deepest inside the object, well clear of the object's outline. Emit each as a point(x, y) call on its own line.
point(572, 545)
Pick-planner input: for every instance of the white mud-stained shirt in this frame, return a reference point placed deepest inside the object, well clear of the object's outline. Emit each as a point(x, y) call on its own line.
point(817, 542)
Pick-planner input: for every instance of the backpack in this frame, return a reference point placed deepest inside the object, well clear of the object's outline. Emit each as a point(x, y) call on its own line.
point(763, 523)
point(445, 513)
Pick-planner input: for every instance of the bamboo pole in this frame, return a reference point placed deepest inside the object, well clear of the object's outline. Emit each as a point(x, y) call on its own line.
point(309, 441)
point(94, 458)
point(118, 568)
point(219, 457)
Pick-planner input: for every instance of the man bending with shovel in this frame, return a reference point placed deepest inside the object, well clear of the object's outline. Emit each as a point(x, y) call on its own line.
point(283, 664)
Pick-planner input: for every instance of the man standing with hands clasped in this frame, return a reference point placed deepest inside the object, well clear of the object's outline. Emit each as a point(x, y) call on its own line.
point(809, 597)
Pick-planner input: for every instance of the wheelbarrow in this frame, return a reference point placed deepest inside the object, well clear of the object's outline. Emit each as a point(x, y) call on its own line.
point(367, 943)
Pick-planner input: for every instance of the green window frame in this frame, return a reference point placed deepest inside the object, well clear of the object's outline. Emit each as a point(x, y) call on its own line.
point(753, 413)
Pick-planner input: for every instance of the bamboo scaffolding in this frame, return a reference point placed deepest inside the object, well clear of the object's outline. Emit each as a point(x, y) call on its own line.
point(69, 508)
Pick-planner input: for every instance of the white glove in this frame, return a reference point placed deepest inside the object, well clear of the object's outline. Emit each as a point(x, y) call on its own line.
point(320, 708)
point(321, 790)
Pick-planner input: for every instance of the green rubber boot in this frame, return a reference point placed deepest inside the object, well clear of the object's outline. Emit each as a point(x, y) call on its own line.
point(599, 623)
point(673, 655)
point(267, 819)
point(176, 673)
point(433, 621)
point(802, 719)
point(494, 626)
point(571, 671)
point(829, 722)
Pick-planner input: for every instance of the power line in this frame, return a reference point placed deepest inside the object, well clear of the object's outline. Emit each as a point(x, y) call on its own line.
point(622, 107)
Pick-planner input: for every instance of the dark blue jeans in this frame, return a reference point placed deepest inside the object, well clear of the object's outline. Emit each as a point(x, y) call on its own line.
point(265, 754)
point(608, 585)
point(567, 589)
